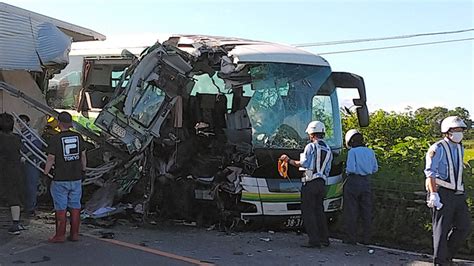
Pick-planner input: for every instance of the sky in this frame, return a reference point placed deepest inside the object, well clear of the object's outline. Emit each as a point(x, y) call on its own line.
point(396, 79)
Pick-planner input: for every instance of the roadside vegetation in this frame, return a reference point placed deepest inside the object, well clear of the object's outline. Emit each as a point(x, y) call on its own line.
point(469, 150)
point(400, 140)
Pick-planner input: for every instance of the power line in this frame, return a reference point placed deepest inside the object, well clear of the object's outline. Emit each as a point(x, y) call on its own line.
point(382, 38)
point(395, 46)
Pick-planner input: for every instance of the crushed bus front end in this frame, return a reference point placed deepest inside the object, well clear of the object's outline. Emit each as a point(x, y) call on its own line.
point(208, 118)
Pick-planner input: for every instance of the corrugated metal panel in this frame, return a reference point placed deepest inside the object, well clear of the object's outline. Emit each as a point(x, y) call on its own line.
point(17, 43)
point(27, 44)
point(78, 33)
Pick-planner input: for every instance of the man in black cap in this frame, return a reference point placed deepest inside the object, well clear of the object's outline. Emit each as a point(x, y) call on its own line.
point(66, 151)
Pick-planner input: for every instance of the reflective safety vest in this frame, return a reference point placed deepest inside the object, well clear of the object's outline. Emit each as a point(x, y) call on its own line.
point(319, 164)
point(451, 182)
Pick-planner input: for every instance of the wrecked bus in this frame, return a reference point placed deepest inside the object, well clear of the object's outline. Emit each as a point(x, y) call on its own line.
point(213, 114)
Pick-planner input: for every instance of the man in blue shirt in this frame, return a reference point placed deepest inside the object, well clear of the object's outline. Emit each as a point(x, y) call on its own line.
point(316, 162)
point(361, 164)
point(447, 199)
point(32, 174)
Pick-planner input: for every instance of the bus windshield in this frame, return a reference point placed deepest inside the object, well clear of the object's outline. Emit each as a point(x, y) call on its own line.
point(286, 97)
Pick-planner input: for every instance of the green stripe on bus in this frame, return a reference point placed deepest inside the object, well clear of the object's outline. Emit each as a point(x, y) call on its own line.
point(273, 197)
point(333, 191)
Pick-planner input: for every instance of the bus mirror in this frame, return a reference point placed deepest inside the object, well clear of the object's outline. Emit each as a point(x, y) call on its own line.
point(352, 81)
point(363, 115)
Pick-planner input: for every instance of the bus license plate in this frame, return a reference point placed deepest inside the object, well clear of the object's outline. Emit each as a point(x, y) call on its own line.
point(118, 130)
point(294, 221)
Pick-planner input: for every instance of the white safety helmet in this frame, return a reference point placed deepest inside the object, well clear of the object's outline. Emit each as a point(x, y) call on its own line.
point(315, 127)
point(349, 135)
point(452, 122)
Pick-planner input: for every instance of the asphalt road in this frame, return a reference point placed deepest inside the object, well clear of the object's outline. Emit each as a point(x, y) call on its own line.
point(31, 247)
point(185, 245)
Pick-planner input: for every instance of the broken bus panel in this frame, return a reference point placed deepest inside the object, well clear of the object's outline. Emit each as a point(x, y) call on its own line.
point(213, 115)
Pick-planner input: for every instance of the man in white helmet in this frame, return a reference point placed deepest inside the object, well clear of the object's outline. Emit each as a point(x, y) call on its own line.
point(444, 182)
point(361, 164)
point(316, 162)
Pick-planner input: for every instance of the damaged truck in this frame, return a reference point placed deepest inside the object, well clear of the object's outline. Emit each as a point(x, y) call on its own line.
point(88, 82)
point(205, 119)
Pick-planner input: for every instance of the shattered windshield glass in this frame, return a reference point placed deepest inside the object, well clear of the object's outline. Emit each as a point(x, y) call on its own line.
point(285, 101)
point(148, 105)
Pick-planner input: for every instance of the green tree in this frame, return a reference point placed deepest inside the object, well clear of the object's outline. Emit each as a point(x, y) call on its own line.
point(434, 116)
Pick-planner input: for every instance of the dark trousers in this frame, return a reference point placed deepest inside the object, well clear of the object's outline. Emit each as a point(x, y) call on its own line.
point(312, 209)
point(357, 204)
point(450, 225)
point(32, 178)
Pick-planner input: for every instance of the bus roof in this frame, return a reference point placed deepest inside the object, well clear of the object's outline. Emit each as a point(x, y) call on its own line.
point(246, 51)
point(135, 43)
point(270, 52)
point(243, 50)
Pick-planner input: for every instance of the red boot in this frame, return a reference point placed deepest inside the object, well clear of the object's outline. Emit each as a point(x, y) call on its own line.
point(60, 235)
point(75, 222)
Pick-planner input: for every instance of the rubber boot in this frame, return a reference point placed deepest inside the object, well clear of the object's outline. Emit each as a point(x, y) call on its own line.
point(60, 235)
point(75, 222)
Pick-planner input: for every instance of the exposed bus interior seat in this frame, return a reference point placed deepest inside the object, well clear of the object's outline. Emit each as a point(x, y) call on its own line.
point(240, 103)
point(209, 112)
point(238, 127)
point(238, 120)
point(238, 132)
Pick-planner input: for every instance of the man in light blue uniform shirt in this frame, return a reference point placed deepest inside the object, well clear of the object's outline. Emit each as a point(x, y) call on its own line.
point(447, 200)
point(316, 162)
point(361, 164)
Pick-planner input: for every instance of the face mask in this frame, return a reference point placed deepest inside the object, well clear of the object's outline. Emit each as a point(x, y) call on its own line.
point(456, 136)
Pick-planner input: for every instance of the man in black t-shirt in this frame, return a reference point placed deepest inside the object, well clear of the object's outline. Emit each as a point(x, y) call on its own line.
point(66, 151)
point(11, 174)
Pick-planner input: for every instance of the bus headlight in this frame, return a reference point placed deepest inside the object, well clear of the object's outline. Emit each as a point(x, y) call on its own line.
point(335, 204)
